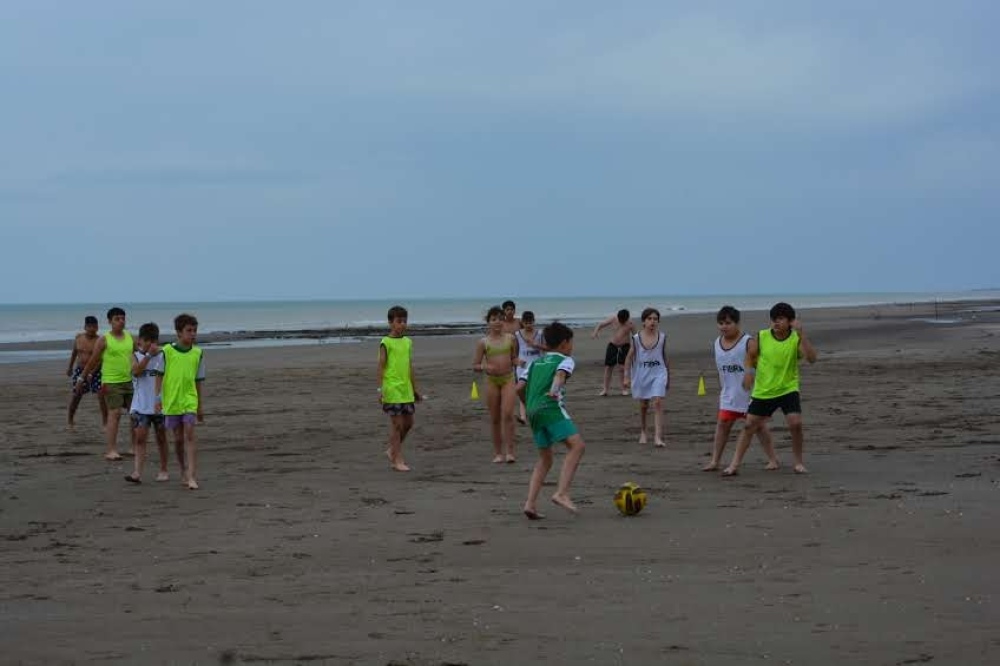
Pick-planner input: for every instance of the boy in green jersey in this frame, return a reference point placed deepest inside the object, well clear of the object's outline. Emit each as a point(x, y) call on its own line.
point(113, 355)
point(179, 395)
point(550, 423)
point(771, 372)
point(397, 385)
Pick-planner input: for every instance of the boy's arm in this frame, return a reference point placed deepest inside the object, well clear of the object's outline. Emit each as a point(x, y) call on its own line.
point(806, 349)
point(477, 359)
point(515, 352)
point(666, 363)
point(159, 394)
point(139, 366)
point(381, 369)
point(201, 402)
point(604, 324)
point(413, 384)
point(750, 363)
point(557, 383)
point(72, 357)
point(95, 358)
point(627, 368)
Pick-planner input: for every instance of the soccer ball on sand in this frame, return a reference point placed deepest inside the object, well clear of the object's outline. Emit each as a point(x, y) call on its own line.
point(630, 499)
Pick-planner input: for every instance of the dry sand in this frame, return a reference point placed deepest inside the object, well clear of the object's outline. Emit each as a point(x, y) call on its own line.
point(303, 547)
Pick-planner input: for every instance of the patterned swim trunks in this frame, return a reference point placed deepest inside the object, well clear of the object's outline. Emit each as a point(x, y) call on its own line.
point(95, 380)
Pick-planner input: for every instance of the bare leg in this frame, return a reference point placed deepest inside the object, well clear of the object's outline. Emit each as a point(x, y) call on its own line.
point(749, 430)
point(399, 427)
point(179, 452)
point(767, 443)
point(111, 431)
point(74, 402)
point(795, 429)
point(658, 422)
point(103, 404)
point(494, 405)
point(161, 444)
point(190, 455)
point(538, 475)
point(573, 456)
point(643, 410)
point(139, 437)
point(624, 386)
point(607, 380)
point(722, 431)
point(522, 411)
point(508, 403)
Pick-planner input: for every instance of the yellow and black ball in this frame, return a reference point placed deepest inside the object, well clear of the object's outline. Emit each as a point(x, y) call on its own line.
point(630, 499)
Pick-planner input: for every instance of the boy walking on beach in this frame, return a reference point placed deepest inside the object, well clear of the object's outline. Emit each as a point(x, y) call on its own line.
point(550, 423)
point(772, 372)
point(179, 394)
point(730, 355)
point(83, 348)
point(147, 362)
point(397, 385)
point(617, 348)
point(113, 355)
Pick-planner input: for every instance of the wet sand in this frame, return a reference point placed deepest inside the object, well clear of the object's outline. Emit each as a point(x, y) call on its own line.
point(303, 547)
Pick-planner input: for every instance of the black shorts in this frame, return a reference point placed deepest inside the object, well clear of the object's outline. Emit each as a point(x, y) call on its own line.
point(399, 408)
point(615, 355)
point(788, 404)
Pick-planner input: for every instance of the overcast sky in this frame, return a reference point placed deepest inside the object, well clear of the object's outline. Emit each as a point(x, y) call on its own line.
point(229, 150)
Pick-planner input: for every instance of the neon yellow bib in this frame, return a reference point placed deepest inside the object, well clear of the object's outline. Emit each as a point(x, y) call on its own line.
point(116, 361)
point(777, 365)
point(397, 388)
point(180, 372)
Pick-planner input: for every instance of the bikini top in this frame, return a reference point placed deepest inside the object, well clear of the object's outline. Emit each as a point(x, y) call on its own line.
point(497, 351)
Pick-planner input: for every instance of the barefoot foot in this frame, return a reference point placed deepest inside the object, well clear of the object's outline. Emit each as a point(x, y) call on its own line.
point(401, 466)
point(162, 476)
point(113, 456)
point(532, 514)
point(800, 469)
point(498, 458)
point(643, 439)
point(133, 478)
point(660, 444)
point(564, 502)
point(773, 465)
point(510, 458)
point(711, 467)
point(730, 471)
point(603, 394)
point(192, 484)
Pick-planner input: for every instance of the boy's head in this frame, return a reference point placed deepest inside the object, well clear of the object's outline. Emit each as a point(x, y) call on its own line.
point(782, 316)
point(398, 317)
point(728, 319)
point(116, 317)
point(650, 317)
point(149, 334)
point(623, 315)
point(90, 325)
point(528, 318)
point(558, 338)
point(186, 327)
point(495, 313)
point(508, 308)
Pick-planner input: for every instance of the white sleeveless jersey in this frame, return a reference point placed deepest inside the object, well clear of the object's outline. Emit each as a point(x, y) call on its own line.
point(729, 362)
point(527, 353)
point(649, 372)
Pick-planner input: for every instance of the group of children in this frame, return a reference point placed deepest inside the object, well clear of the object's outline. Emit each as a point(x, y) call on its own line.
point(159, 387)
point(758, 375)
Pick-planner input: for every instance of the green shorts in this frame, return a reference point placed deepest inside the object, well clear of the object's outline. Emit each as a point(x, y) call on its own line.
point(553, 432)
point(118, 396)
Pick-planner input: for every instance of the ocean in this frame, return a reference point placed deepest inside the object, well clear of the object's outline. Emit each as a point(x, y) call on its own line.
point(58, 322)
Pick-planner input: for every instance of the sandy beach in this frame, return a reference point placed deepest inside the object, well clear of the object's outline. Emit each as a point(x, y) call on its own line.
point(302, 546)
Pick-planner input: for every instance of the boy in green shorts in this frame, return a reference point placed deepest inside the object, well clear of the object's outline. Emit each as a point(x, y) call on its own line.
point(771, 370)
point(178, 394)
point(550, 423)
point(397, 386)
point(113, 353)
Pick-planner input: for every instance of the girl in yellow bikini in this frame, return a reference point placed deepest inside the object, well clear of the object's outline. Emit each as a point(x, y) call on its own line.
point(496, 355)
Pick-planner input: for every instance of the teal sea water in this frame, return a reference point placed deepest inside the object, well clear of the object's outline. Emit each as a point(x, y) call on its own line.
point(54, 322)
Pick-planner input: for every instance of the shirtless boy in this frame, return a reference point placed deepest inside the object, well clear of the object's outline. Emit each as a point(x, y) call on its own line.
point(83, 347)
point(511, 323)
point(617, 348)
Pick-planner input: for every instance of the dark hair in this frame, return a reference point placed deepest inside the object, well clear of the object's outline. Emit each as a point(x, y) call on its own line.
point(149, 332)
point(728, 312)
point(113, 312)
point(528, 317)
point(782, 310)
point(90, 320)
point(496, 310)
point(397, 311)
point(556, 333)
point(650, 311)
point(623, 315)
point(506, 304)
point(182, 321)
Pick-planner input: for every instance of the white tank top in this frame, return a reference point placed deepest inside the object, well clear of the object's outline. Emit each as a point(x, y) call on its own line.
point(729, 363)
point(527, 353)
point(649, 372)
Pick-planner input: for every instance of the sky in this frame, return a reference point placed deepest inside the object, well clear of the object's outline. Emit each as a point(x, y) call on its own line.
point(312, 150)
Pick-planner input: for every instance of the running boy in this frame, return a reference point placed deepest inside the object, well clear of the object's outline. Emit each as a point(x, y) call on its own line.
point(83, 348)
point(618, 347)
point(147, 362)
point(397, 385)
point(496, 355)
point(730, 353)
point(113, 355)
point(648, 372)
point(179, 394)
point(530, 344)
point(772, 371)
point(550, 423)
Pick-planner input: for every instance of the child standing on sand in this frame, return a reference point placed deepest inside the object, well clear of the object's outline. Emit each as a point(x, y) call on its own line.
point(618, 347)
point(83, 348)
point(179, 394)
point(113, 355)
point(550, 423)
point(496, 355)
point(530, 344)
point(397, 385)
point(147, 362)
point(730, 354)
point(772, 372)
point(648, 372)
